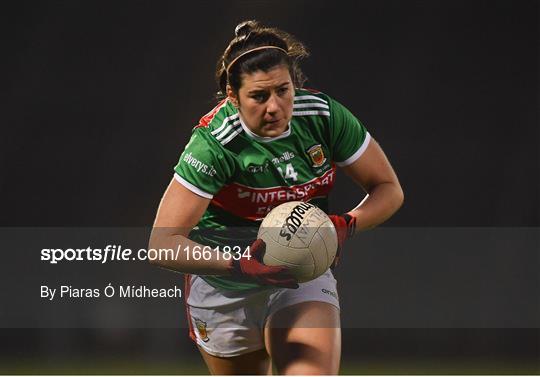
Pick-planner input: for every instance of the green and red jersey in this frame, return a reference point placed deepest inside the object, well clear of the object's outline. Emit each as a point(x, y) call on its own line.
point(246, 175)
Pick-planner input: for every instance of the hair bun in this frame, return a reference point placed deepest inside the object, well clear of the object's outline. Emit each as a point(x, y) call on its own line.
point(245, 27)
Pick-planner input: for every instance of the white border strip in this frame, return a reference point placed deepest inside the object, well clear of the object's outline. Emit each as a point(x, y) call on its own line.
point(356, 154)
point(306, 97)
point(230, 117)
point(232, 135)
point(326, 174)
point(310, 104)
point(227, 130)
point(192, 188)
point(315, 112)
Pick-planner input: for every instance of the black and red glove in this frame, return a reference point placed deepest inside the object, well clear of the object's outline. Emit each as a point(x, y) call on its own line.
point(253, 267)
point(345, 227)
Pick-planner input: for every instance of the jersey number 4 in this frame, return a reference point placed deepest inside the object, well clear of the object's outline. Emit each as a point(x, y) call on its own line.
point(290, 173)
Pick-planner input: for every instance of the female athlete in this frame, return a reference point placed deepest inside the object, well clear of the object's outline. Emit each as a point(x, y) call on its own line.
point(267, 142)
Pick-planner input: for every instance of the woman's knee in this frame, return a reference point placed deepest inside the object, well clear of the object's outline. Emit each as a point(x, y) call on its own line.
point(302, 358)
point(299, 345)
point(257, 362)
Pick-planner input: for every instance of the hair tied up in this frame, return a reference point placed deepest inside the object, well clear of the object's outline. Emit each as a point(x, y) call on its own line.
point(246, 27)
point(256, 47)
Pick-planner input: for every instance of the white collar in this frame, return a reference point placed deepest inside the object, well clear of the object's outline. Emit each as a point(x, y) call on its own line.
point(263, 139)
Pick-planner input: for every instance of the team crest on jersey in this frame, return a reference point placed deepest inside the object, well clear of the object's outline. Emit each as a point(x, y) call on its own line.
point(317, 155)
point(201, 328)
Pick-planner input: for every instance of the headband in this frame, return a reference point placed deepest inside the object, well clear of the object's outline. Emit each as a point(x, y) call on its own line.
point(228, 68)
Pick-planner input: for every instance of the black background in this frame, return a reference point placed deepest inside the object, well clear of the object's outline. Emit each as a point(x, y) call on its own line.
point(99, 98)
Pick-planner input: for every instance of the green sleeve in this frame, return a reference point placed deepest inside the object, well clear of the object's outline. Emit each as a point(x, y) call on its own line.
point(204, 167)
point(349, 136)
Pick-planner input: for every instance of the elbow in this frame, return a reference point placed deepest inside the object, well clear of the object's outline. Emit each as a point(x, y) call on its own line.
point(153, 244)
point(399, 196)
point(154, 261)
point(163, 248)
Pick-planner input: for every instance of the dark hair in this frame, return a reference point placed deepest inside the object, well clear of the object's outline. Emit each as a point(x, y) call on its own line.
point(249, 35)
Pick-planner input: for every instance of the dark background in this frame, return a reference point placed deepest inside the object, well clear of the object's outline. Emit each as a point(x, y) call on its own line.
point(98, 100)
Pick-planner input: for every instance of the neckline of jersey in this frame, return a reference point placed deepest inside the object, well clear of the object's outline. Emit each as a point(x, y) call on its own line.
point(263, 139)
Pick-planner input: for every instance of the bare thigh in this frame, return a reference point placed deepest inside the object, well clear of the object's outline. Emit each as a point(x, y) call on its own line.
point(257, 362)
point(305, 339)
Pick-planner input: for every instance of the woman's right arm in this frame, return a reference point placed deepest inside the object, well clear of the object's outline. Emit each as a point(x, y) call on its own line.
point(179, 211)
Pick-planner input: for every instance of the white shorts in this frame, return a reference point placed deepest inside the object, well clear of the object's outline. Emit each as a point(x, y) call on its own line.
point(230, 323)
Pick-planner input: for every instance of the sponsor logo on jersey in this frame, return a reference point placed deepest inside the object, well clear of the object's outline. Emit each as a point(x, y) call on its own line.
point(285, 194)
point(199, 166)
point(294, 220)
point(285, 156)
point(201, 328)
point(254, 202)
point(316, 154)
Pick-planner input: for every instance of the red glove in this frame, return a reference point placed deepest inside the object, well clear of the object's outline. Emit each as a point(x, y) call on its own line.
point(345, 227)
point(263, 274)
